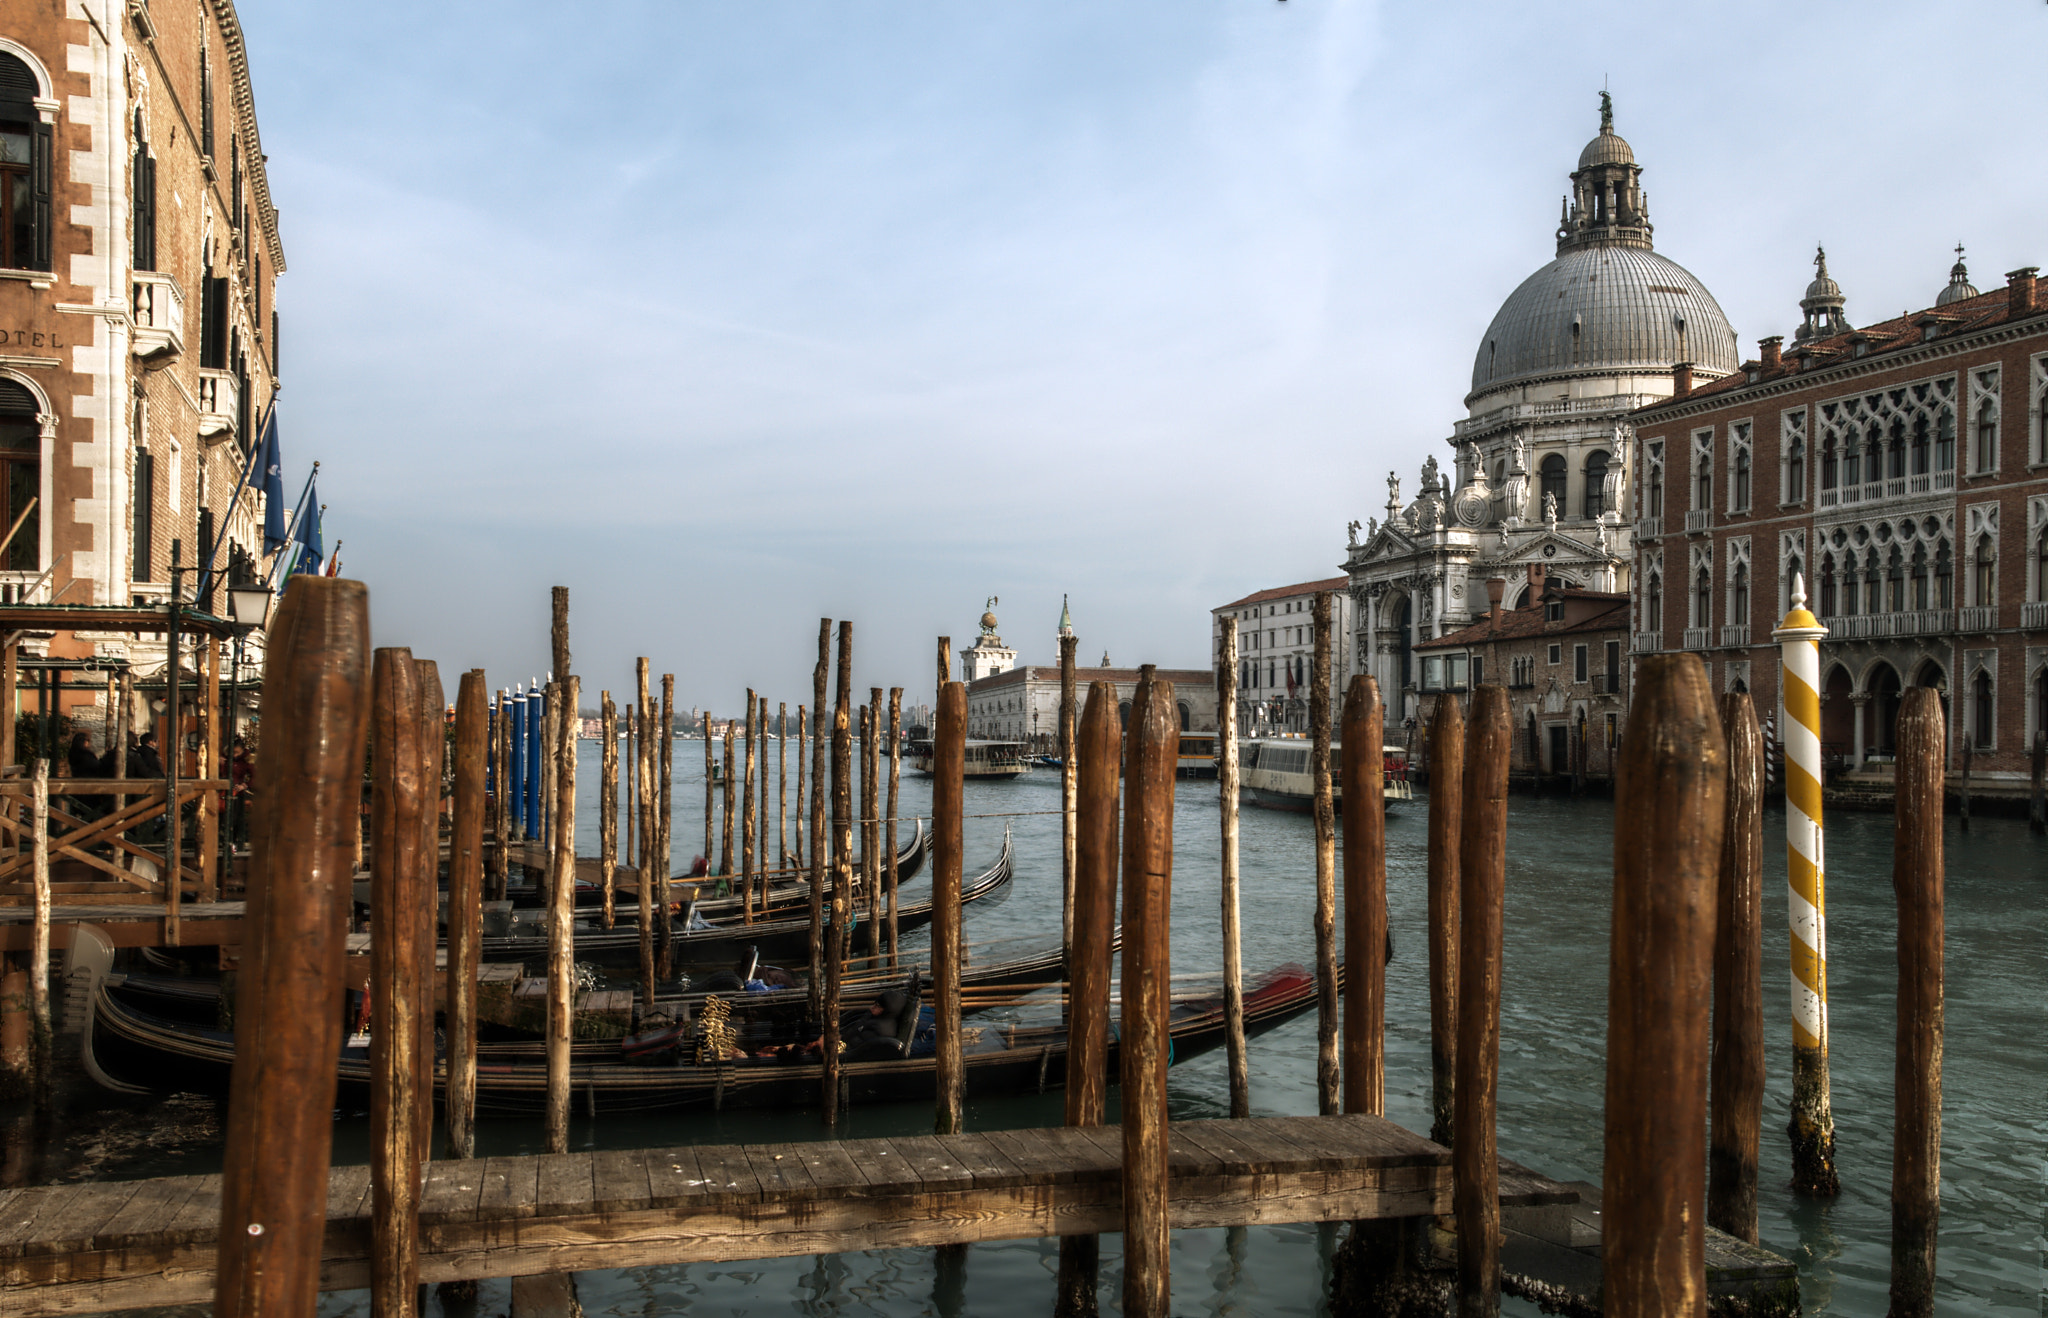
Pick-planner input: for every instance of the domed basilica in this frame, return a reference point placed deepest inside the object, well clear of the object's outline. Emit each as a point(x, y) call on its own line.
point(1541, 460)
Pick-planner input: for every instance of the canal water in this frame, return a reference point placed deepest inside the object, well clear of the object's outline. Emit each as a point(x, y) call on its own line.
point(1553, 1040)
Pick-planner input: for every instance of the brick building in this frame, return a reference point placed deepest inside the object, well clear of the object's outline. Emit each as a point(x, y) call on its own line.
point(137, 281)
point(1275, 651)
point(1562, 655)
point(1902, 469)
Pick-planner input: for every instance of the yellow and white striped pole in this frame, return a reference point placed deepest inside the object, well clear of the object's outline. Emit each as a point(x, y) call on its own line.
point(1813, 1121)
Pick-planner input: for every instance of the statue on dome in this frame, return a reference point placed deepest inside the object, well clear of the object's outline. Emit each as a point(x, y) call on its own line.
point(1518, 448)
point(1606, 112)
point(1353, 529)
point(1393, 496)
point(1429, 475)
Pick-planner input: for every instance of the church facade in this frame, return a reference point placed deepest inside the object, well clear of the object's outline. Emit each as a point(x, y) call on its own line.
point(1540, 464)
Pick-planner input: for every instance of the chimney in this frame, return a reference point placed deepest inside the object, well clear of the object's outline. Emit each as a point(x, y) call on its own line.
point(1773, 349)
point(1496, 591)
point(2020, 295)
point(1681, 379)
point(1535, 582)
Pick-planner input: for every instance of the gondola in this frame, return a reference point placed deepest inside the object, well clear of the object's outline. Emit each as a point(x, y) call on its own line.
point(134, 1048)
point(783, 884)
point(783, 936)
point(195, 999)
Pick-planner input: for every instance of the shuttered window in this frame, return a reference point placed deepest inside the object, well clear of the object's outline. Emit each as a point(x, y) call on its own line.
point(213, 330)
point(145, 513)
point(144, 189)
point(26, 152)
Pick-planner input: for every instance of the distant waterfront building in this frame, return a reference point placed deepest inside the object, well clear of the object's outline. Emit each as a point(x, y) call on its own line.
point(139, 255)
point(1542, 457)
point(988, 655)
point(1562, 655)
point(1011, 703)
point(1902, 469)
point(1276, 652)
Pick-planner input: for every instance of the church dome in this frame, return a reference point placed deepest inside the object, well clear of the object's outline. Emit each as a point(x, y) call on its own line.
point(1606, 149)
point(1959, 285)
point(1601, 308)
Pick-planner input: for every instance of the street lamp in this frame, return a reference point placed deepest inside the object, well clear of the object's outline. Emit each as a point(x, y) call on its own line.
point(248, 610)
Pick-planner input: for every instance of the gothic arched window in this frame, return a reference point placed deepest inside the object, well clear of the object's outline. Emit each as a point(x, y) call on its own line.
point(1795, 470)
point(1596, 483)
point(1987, 437)
point(1987, 559)
point(1738, 597)
point(1553, 480)
point(1653, 605)
point(1919, 596)
point(1945, 441)
point(1702, 598)
point(1739, 501)
point(1827, 586)
point(1980, 708)
point(1944, 577)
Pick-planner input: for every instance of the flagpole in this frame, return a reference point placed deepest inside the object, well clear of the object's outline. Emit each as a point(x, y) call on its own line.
point(279, 570)
point(255, 452)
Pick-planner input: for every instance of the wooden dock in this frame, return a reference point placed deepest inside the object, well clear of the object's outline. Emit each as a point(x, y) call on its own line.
point(121, 1244)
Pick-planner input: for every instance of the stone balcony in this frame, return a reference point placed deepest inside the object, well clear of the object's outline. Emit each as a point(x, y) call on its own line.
point(1892, 487)
point(218, 406)
point(1737, 635)
point(1908, 622)
point(1977, 618)
point(2034, 615)
point(1646, 642)
point(1697, 520)
point(1699, 638)
point(158, 309)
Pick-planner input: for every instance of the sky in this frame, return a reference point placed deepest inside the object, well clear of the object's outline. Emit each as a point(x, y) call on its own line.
point(732, 317)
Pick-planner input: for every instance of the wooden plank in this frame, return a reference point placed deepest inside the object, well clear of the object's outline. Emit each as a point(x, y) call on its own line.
point(199, 1220)
point(1050, 1159)
point(935, 1165)
point(565, 1184)
point(79, 1215)
point(781, 1171)
point(676, 1177)
point(618, 1179)
point(991, 1168)
point(23, 1213)
point(144, 1217)
point(834, 1173)
point(348, 1193)
point(454, 1191)
point(726, 1174)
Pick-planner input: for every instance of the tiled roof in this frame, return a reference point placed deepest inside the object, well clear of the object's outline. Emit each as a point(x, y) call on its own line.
point(1527, 622)
point(1286, 592)
point(1900, 332)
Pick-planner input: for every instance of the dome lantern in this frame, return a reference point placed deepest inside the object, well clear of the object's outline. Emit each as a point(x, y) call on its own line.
point(1959, 285)
point(1822, 305)
point(1607, 205)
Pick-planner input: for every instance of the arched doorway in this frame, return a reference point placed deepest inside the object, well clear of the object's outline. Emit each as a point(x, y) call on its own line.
point(1883, 685)
point(1837, 715)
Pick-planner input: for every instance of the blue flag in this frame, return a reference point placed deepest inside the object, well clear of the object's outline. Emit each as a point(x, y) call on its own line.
point(270, 470)
point(309, 554)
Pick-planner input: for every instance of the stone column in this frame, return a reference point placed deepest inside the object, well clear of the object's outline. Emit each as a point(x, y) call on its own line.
point(1856, 719)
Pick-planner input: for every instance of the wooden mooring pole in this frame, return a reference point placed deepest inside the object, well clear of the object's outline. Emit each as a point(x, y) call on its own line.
point(434, 750)
point(1969, 764)
point(607, 800)
point(2037, 801)
point(747, 807)
point(842, 868)
point(1918, 878)
point(562, 917)
point(1327, 1062)
point(1148, 955)
point(819, 676)
point(949, 768)
point(803, 742)
point(1098, 745)
point(289, 1008)
point(763, 859)
point(782, 784)
point(1446, 810)
point(1365, 900)
point(465, 913)
point(644, 880)
point(710, 795)
point(401, 881)
point(1482, 869)
point(664, 821)
point(1669, 821)
point(871, 813)
point(1069, 712)
point(39, 934)
point(1736, 1082)
point(895, 781)
point(1236, 1053)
